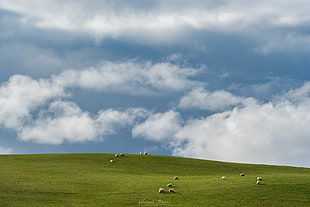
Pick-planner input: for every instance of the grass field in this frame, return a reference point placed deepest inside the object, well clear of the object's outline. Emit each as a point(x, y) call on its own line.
point(79, 180)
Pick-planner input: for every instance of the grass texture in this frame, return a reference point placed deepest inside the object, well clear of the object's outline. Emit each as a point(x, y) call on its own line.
point(90, 180)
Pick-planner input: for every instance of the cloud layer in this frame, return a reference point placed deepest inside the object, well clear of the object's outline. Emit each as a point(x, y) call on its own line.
point(165, 21)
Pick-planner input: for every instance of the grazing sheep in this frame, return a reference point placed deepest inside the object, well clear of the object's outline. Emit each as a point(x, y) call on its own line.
point(223, 178)
point(176, 178)
point(171, 190)
point(161, 190)
point(111, 161)
point(122, 154)
point(140, 153)
point(145, 153)
point(258, 182)
point(116, 155)
point(169, 185)
point(242, 174)
point(259, 178)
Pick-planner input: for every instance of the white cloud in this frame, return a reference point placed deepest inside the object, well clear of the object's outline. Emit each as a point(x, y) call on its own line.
point(108, 121)
point(160, 21)
point(65, 121)
point(131, 77)
point(158, 126)
point(264, 133)
point(275, 132)
point(62, 121)
point(21, 94)
point(213, 101)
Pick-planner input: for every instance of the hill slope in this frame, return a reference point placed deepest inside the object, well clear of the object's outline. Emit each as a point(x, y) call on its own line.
point(133, 180)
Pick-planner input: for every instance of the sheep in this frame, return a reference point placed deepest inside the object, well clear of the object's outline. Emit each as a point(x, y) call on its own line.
point(111, 161)
point(145, 153)
point(161, 190)
point(171, 190)
point(116, 155)
point(176, 178)
point(140, 153)
point(259, 178)
point(223, 178)
point(121, 155)
point(169, 185)
point(242, 174)
point(258, 182)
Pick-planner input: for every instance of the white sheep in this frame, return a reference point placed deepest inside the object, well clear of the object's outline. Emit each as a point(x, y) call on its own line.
point(122, 154)
point(111, 161)
point(223, 178)
point(141, 153)
point(145, 153)
point(259, 178)
point(169, 185)
point(176, 178)
point(258, 182)
point(161, 190)
point(171, 190)
point(116, 155)
point(242, 174)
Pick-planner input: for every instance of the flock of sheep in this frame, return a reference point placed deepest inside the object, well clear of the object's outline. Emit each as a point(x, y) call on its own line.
point(169, 185)
point(122, 155)
point(162, 190)
point(118, 155)
point(259, 179)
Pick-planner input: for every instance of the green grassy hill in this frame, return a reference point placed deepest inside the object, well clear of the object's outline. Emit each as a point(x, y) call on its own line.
point(79, 180)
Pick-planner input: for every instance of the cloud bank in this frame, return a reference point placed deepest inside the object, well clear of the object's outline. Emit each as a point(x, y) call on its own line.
point(273, 132)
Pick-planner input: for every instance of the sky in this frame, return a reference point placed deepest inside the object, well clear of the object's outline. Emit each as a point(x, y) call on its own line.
point(225, 80)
